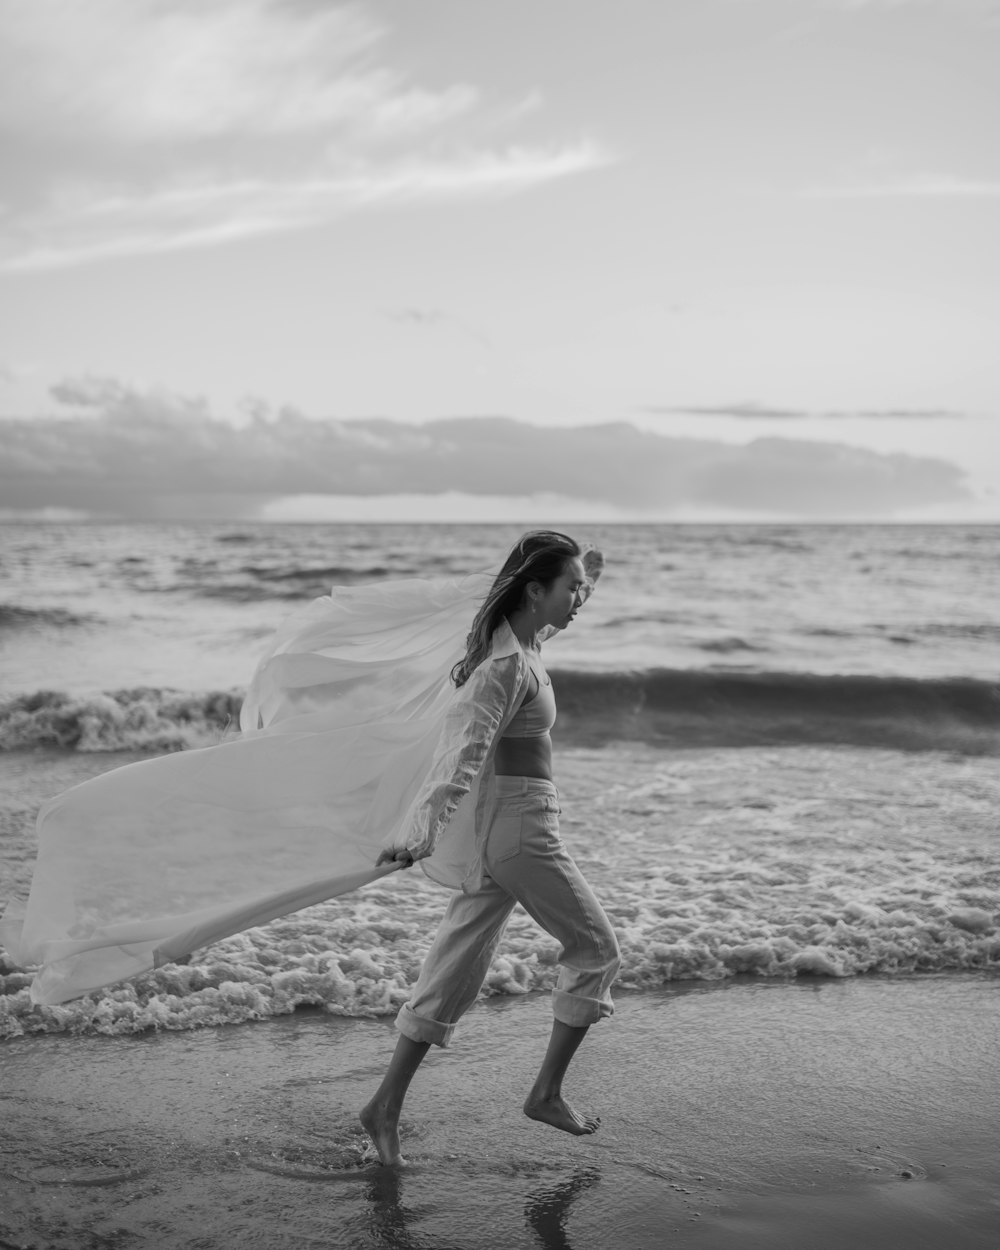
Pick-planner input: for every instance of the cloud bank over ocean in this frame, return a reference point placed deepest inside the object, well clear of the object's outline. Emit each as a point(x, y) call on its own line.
point(122, 452)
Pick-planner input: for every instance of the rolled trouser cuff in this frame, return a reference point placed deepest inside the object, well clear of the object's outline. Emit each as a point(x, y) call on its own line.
point(578, 1011)
point(422, 1028)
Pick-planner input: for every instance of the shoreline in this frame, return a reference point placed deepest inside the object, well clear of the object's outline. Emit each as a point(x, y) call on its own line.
point(749, 1114)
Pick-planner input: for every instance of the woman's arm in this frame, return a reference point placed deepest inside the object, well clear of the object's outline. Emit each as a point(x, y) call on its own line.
point(471, 725)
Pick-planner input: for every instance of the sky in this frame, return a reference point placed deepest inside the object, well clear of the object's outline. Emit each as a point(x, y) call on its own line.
point(296, 259)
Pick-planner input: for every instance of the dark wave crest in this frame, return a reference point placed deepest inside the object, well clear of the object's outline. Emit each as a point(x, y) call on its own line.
point(725, 646)
point(673, 708)
point(253, 583)
point(13, 616)
point(328, 574)
point(697, 707)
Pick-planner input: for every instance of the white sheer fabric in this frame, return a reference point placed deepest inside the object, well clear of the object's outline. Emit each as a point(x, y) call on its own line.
point(354, 739)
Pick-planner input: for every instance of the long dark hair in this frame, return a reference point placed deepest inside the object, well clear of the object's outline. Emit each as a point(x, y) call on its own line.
point(540, 556)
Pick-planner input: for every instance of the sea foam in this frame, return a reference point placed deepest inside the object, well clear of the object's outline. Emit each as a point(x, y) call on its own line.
point(140, 719)
point(710, 864)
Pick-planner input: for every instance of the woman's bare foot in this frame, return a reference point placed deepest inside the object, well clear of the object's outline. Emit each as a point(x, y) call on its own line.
point(382, 1126)
point(557, 1112)
point(381, 1116)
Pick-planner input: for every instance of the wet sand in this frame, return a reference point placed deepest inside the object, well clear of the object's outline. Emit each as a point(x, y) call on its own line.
point(818, 1112)
point(821, 1113)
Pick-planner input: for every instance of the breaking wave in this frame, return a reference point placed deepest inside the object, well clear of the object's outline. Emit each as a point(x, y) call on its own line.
point(708, 707)
point(142, 719)
point(358, 956)
point(670, 707)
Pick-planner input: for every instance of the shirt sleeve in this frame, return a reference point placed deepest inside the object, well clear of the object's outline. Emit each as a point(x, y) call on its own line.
point(472, 722)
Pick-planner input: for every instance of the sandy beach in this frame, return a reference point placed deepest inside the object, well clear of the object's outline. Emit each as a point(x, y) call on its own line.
point(823, 1114)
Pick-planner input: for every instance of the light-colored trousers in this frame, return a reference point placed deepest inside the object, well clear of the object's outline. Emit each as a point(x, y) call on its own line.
point(526, 863)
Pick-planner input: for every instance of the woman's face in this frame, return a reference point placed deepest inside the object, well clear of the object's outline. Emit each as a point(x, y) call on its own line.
point(558, 602)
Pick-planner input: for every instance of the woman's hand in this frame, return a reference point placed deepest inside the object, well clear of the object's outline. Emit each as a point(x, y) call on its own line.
point(593, 563)
point(593, 567)
point(397, 855)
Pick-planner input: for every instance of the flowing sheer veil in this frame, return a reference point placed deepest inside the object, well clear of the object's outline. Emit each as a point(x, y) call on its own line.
point(144, 864)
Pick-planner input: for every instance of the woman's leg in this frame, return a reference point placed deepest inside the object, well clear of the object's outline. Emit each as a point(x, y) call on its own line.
point(449, 983)
point(381, 1116)
point(545, 1101)
point(543, 878)
point(456, 964)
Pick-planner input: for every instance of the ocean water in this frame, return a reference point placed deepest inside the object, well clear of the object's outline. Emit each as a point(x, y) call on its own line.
point(116, 637)
point(776, 746)
point(86, 607)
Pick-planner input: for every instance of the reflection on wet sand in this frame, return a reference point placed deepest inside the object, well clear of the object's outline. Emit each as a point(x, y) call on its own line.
point(546, 1210)
point(391, 1223)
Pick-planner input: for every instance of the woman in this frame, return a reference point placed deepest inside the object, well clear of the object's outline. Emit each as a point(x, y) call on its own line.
point(487, 819)
point(354, 743)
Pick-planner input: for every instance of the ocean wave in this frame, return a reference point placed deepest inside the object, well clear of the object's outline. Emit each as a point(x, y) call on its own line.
point(746, 538)
point(985, 630)
point(725, 646)
point(654, 616)
point(255, 583)
point(328, 574)
point(716, 707)
point(141, 719)
point(668, 707)
point(13, 616)
point(250, 592)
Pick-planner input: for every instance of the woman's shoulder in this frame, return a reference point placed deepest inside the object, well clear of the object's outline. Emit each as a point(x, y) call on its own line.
point(504, 642)
point(504, 667)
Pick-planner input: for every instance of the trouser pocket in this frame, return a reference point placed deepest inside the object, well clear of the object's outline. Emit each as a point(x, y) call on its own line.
point(505, 836)
point(514, 826)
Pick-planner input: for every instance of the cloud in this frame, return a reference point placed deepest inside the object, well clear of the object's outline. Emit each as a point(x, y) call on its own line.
point(745, 411)
point(897, 414)
point(135, 126)
point(139, 71)
point(92, 227)
point(930, 186)
point(761, 412)
point(852, 5)
point(152, 454)
point(947, 6)
point(827, 479)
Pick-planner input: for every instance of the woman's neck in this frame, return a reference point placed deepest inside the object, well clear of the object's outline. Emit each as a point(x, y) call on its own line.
point(525, 630)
